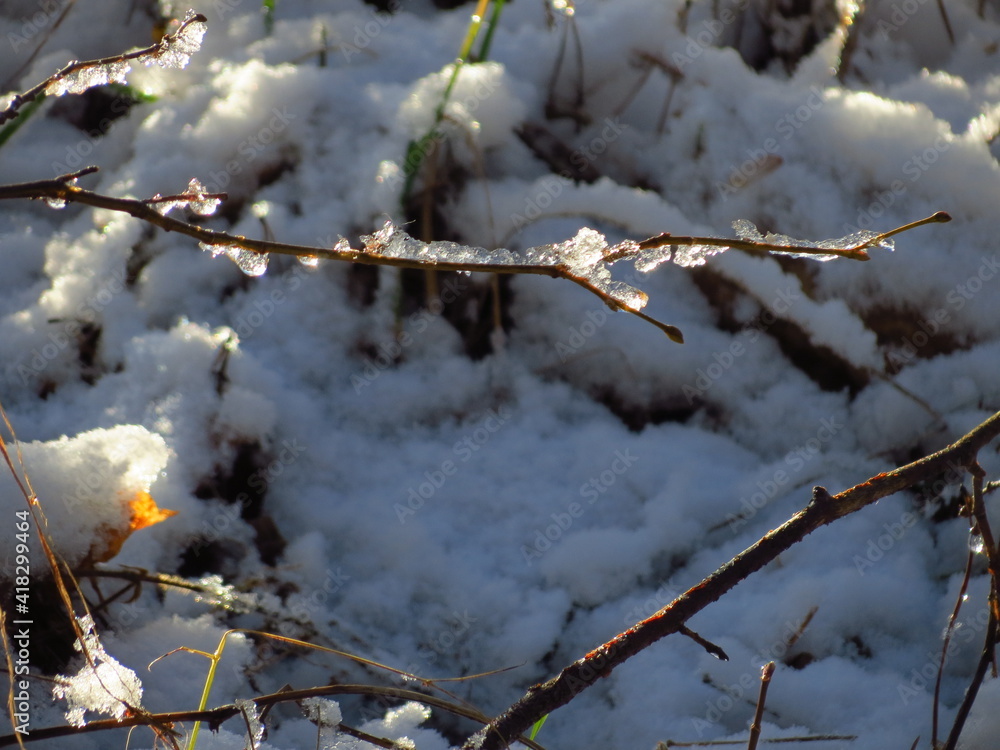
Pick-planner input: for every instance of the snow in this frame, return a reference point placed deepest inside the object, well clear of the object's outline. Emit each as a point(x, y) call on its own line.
point(451, 500)
point(102, 684)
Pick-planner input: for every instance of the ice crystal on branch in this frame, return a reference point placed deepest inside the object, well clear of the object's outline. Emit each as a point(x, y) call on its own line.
point(78, 81)
point(584, 258)
point(102, 685)
point(194, 197)
point(863, 239)
point(251, 263)
point(175, 49)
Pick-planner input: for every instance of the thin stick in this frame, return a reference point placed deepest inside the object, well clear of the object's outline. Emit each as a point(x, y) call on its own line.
point(216, 716)
point(949, 630)
point(61, 189)
point(19, 100)
point(765, 681)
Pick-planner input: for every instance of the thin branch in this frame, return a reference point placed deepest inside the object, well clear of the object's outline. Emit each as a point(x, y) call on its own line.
point(824, 509)
point(545, 260)
point(949, 631)
point(857, 252)
point(216, 716)
point(755, 726)
point(154, 51)
point(985, 658)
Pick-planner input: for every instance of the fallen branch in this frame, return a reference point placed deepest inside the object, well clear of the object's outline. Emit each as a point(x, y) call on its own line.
point(546, 697)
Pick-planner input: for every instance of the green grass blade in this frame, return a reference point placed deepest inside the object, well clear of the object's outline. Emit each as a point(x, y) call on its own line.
point(537, 727)
point(484, 50)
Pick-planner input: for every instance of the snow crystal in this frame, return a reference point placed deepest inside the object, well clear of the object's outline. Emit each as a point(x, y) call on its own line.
point(102, 685)
point(250, 262)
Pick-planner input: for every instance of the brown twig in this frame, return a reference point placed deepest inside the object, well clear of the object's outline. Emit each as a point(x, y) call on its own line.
point(765, 681)
point(824, 509)
point(215, 717)
point(985, 658)
point(154, 50)
point(949, 630)
point(989, 647)
point(62, 189)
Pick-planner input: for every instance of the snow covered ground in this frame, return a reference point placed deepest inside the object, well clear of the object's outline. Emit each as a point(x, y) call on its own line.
point(449, 499)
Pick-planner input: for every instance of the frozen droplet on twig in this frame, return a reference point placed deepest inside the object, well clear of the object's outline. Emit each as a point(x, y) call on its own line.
point(201, 205)
point(194, 197)
point(250, 262)
point(55, 202)
point(976, 544)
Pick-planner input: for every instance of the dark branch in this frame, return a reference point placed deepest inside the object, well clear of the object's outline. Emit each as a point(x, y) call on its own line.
point(544, 698)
